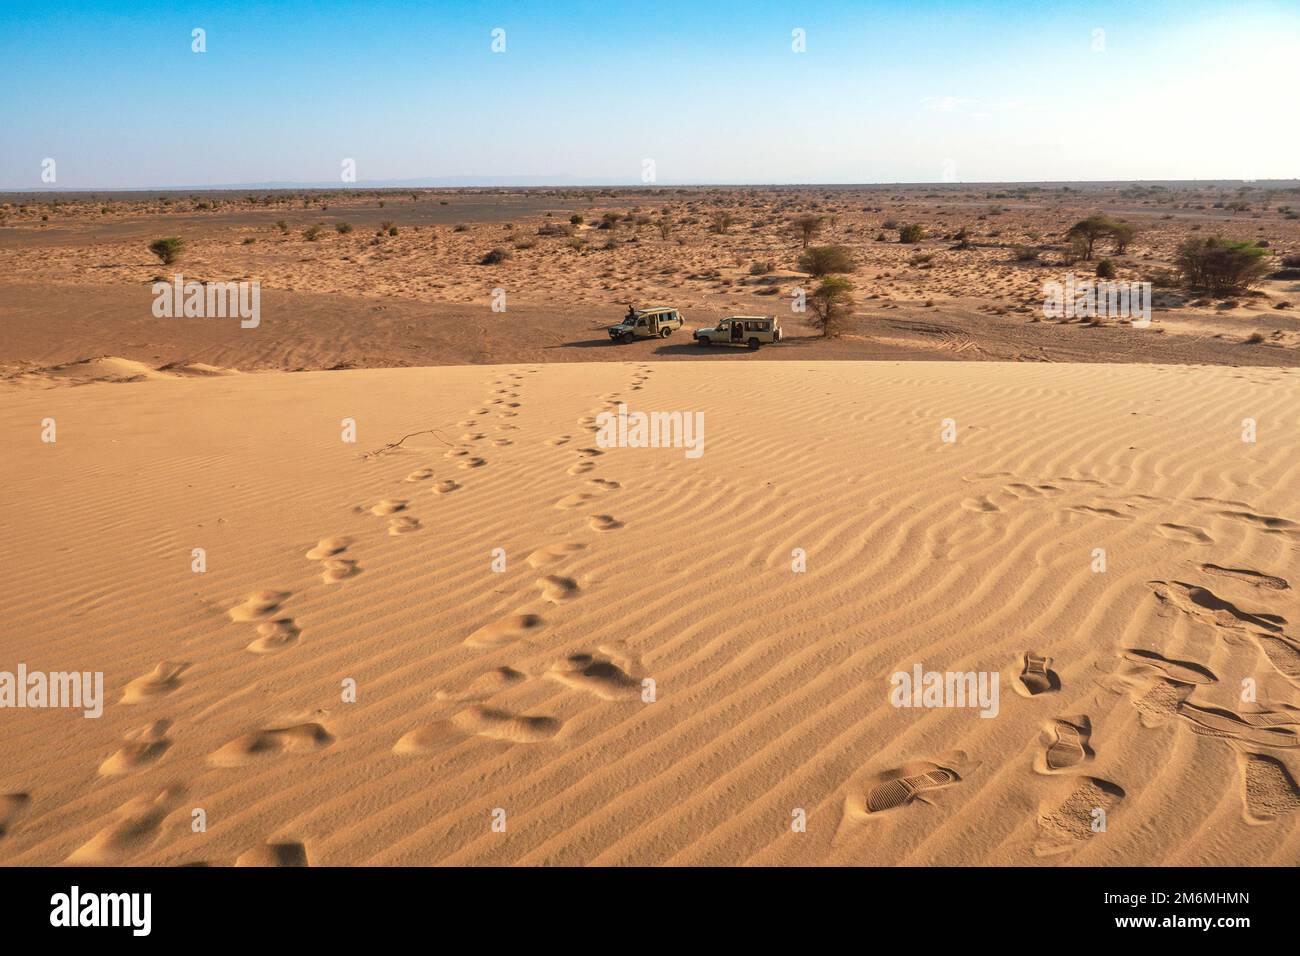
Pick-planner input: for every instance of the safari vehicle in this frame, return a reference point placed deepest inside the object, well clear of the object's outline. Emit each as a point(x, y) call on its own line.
point(750, 330)
point(651, 323)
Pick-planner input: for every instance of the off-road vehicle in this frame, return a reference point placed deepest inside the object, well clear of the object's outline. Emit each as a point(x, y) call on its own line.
point(749, 330)
point(656, 322)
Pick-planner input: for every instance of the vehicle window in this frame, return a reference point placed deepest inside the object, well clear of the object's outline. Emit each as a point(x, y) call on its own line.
point(641, 322)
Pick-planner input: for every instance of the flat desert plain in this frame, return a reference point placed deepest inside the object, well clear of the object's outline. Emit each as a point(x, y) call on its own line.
point(478, 634)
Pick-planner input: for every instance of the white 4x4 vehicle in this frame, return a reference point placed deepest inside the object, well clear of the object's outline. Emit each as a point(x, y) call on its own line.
point(748, 330)
point(653, 323)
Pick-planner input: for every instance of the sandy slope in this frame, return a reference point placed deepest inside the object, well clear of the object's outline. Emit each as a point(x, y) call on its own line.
point(772, 687)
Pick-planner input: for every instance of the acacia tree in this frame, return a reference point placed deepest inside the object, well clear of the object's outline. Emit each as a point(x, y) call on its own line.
point(832, 304)
point(808, 225)
point(1089, 230)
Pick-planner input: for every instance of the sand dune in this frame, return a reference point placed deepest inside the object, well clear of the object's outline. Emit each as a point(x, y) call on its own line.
point(355, 677)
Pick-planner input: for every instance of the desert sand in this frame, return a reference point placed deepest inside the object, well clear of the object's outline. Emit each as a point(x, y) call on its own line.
point(369, 564)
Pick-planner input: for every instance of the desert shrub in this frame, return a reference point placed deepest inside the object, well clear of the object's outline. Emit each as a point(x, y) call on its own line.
point(1255, 338)
point(167, 250)
point(832, 304)
point(554, 229)
point(311, 233)
point(343, 228)
point(282, 226)
point(921, 259)
point(807, 226)
point(823, 260)
point(392, 230)
point(575, 220)
point(1025, 253)
point(460, 227)
point(493, 257)
point(721, 221)
point(1106, 269)
point(889, 224)
point(762, 268)
point(911, 234)
point(1219, 267)
point(249, 240)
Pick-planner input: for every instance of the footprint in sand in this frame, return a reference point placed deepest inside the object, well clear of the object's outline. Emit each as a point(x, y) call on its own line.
point(1283, 653)
point(1268, 788)
point(272, 742)
point(575, 500)
point(1186, 533)
point(333, 567)
point(485, 685)
point(389, 506)
point(980, 504)
point(478, 721)
point(140, 747)
point(160, 681)
point(1266, 523)
point(603, 523)
point(1257, 730)
point(559, 440)
point(1077, 810)
point(275, 636)
point(590, 452)
point(445, 487)
point(403, 524)
point(274, 854)
point(554, 553)
point(455, 453)
point(1255, 578)
point(903, 790)
point(12, 806)
point(1065, 744)
point(506, 631)
point(501, 442)
point(259, 606)
point(1036, 675)
point(594, 674)
point(604, 484)
point(423, 474)
point(558, 589)
point(1203, 604)
point(472, 463)
point(580, 468)
point(328, 548)
point(1186, 672)
point(135, 828)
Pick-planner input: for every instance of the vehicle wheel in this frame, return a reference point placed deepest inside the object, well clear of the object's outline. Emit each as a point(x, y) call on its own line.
point(753, 345)
point(664, 333)
point(625, 337)
point(701, 341)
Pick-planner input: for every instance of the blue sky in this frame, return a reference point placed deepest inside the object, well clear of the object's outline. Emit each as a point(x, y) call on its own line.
point(711, 92)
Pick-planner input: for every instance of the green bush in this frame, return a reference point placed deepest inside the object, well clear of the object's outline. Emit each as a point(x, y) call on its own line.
point(167, 250)
point(911, 234)
point(1106, 269)
point(823, 260)
point(1220, 267)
